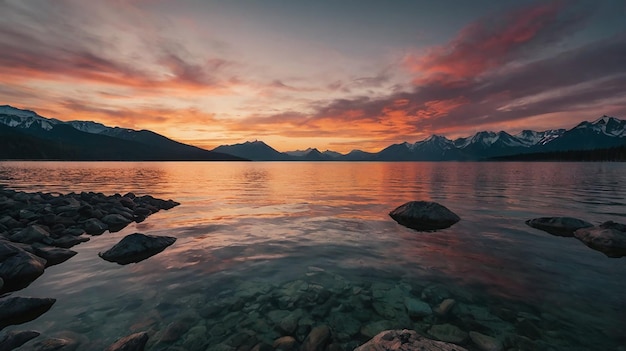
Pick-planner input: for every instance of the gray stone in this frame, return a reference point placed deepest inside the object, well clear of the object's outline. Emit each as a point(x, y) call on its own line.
point(15, 339)
point(371, 329)
point(448, 333)
point(405, 340)
point(18, 310)
point(608, 238)
point(424, 216)
point(68, 241)
point(560, 226)
point(485, 342)
point(416, 308)
point(53, 255)
point(136, 247)
point(134, 342)
point(116, 221)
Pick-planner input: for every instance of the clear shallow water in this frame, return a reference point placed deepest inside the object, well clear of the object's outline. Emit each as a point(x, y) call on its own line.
point(256, 238)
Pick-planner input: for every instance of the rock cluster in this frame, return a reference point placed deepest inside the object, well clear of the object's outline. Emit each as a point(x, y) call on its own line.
point(36, 232)
point(424, 216)
point(608, 238)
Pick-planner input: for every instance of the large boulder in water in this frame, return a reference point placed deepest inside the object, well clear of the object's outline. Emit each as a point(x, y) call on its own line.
point(424, 215)
point(136, 247)
point(405, 340)
point(560, 226)
point(14, 339)
point(609, 238)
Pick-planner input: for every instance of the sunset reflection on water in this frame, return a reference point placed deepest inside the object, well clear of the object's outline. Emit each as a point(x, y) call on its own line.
point(272, 221)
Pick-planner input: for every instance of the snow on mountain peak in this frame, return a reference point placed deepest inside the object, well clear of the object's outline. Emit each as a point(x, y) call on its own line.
point(18, 118)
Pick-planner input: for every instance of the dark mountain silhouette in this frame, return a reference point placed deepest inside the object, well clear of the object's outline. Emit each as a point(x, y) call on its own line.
point(26, 135)
point(253, 150)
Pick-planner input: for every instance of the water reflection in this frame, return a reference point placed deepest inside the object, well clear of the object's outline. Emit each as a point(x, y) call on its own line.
point(272, 221)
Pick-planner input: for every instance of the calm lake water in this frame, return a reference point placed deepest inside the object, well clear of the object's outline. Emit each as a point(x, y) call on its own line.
point(262, 244)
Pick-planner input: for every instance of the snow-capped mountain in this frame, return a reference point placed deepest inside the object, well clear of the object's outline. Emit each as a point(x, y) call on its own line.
point(23, 119)
point(606, 125)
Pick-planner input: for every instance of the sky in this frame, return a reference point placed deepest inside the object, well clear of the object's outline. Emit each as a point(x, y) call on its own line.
point(330, 74)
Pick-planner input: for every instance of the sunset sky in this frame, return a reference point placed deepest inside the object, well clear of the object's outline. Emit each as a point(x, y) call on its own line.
point(331, 74)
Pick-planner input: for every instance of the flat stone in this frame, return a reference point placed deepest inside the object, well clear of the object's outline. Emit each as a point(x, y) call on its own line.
point(424, 216)
point(448, 333)
point(17, 310)
point(285, 343)
point(68, 241)
point(136, 247)
point(559, 226)
point(134, 342)
point(405, 340)
point(609, 238)
point(372, 329)
point(485, 342)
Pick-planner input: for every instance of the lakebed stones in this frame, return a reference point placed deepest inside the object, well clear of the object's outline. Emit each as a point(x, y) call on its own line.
point(405, 340)
point(559, 226)
point(608, 238)
point(485, 342)
point(424, 216)
point(134, 342)
point(136, 247)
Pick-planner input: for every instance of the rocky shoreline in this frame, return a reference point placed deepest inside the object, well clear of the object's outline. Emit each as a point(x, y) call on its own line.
point(37, 231)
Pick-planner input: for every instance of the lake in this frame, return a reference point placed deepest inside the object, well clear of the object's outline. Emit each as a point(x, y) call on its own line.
point(267, 249)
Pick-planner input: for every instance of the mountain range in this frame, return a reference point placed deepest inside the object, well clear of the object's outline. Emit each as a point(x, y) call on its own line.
point(603, 133)
point(26, 135)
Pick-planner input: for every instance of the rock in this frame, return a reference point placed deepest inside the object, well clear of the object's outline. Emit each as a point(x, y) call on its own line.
point(134, 342)
point(94, 226)
point(53, 255)
point(448, 333)
point(484, 342)
point(424, 216)
point(560, 226)
point(31, 234)
point(286, 343)
point(136, 247)
point(317, 339)
point(18, 310)
point(68, 241)
point(609, 238)
point(405, 340)
point(444, 307)
point(115, 221)
point(55, 344)
point(416, 308)
point(15, 339)
point(18, 268)
point(1, 284)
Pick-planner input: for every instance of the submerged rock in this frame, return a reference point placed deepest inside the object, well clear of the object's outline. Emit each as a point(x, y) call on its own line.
point(18, 310)
point(560, 226)
point(608, 238)
point(134, 342)
point(405, 340)
point(424, 216)
point(317, 339)
point(485, 342)
point(15, 339)
point(136, 247)
point(448, 333)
